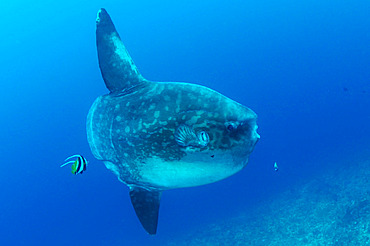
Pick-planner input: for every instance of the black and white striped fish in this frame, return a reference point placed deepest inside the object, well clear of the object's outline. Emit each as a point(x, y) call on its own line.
point(78, 166)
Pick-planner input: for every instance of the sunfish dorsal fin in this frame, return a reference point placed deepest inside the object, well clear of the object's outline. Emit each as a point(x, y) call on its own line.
point(146, 205)
point(118, 70)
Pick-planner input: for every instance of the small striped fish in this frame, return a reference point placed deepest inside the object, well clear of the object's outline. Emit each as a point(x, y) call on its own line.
point(78, 166)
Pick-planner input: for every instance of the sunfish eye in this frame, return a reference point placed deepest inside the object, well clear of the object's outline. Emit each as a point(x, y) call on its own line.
point(230, 127)
point(203, 138)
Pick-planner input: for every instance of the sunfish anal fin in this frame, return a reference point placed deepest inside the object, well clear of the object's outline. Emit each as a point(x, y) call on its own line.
point(146, 205)
point(118, 70)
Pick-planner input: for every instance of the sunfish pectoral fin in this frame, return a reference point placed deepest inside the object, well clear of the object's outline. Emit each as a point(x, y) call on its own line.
point(146, 205)
point(118, 70)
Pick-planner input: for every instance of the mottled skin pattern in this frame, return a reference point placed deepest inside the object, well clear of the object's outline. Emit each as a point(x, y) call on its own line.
point(132, 129)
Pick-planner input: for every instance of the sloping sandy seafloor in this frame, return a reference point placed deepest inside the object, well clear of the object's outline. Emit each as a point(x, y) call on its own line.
point(332, 208)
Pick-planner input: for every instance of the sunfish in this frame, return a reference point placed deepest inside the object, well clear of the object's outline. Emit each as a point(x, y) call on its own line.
point(157, 136)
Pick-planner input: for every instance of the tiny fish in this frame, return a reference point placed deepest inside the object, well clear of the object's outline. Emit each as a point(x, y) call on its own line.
point(276, 167)
point(78, 166)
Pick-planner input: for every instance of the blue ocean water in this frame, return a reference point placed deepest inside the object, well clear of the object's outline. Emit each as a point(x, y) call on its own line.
point(303, 67)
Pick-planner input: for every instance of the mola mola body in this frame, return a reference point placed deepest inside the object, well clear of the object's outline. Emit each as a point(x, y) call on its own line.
point(157, 136)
